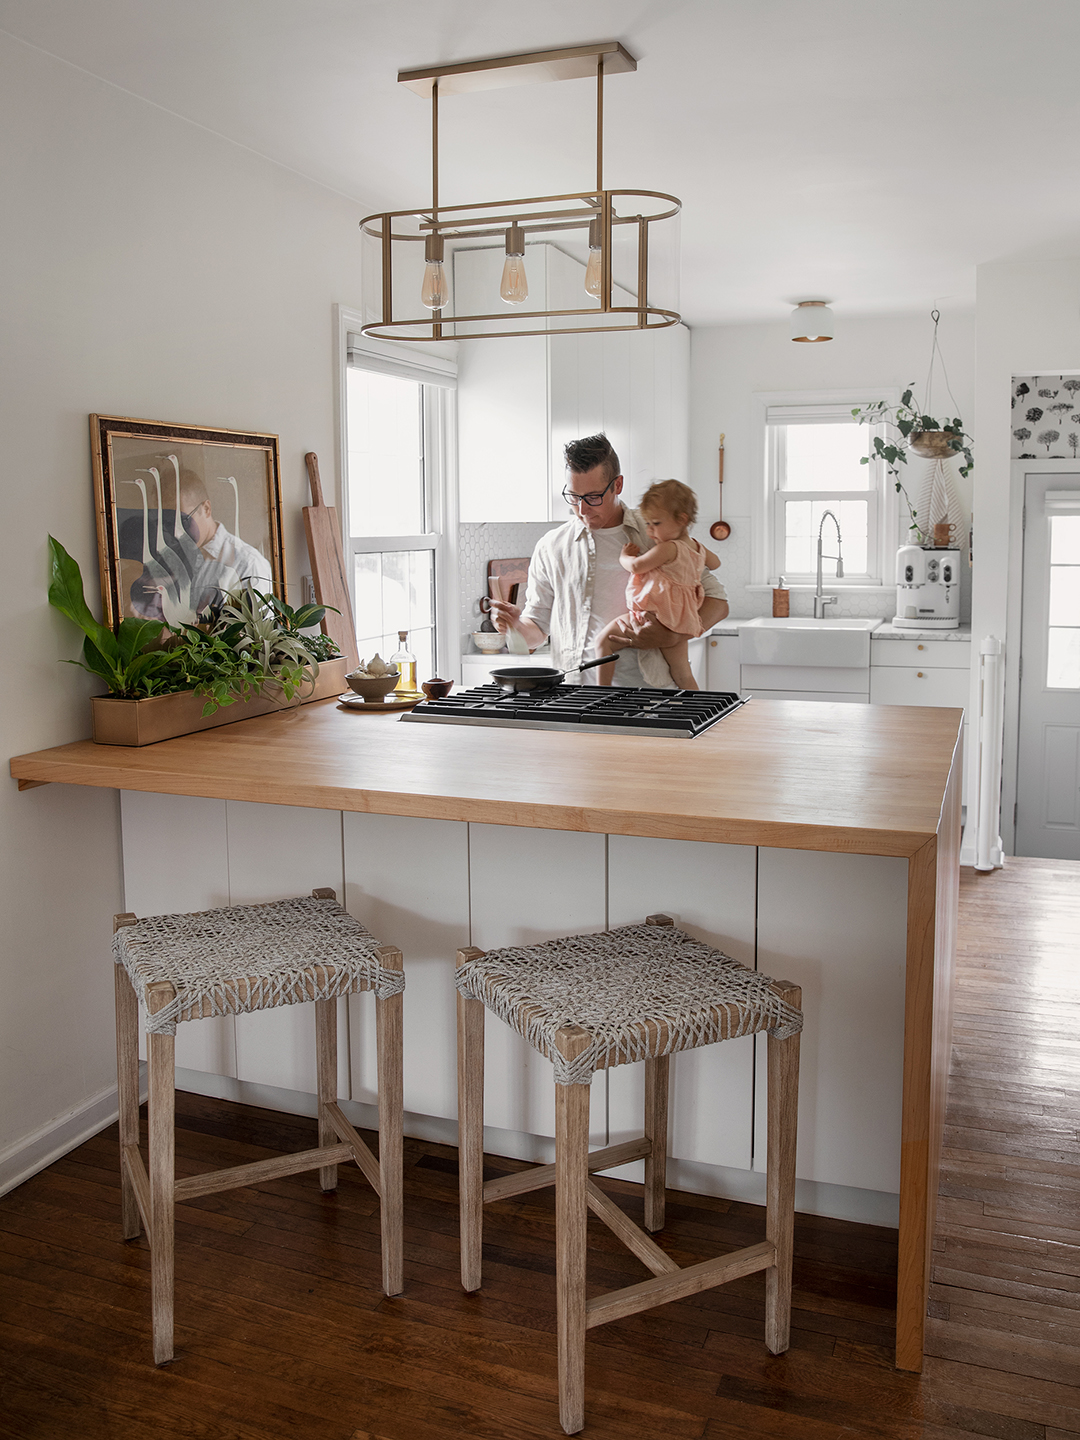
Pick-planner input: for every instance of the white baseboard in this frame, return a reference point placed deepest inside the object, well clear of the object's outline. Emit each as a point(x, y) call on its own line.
point(48, 1143)
point(839, 1202)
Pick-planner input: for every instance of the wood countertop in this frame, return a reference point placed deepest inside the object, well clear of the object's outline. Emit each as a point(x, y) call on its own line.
point(865, 779)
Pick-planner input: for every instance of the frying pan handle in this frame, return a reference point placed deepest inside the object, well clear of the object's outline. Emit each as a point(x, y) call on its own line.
point(591, 664)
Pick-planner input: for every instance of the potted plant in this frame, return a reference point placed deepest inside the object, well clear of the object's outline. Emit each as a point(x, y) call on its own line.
point(923, 435)
point(251, 658)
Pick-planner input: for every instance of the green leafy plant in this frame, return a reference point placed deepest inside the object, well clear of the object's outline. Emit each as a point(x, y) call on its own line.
point(126, 658)
point(253, 645)
point(909, 424)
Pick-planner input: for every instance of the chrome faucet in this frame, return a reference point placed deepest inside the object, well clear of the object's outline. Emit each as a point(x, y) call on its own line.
point(820, 600)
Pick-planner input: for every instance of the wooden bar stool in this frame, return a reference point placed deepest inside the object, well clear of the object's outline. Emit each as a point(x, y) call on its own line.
point(228, 962)
point(588, 1002)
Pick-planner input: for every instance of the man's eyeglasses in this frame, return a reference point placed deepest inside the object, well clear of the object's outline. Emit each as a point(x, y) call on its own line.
point(593, 498)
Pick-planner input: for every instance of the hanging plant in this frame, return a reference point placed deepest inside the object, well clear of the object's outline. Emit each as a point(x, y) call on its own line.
point(913, 429)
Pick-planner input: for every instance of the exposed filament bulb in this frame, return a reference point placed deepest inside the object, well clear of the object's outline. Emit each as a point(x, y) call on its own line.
point(514, 288)
point(595, 268)
point(434, 292)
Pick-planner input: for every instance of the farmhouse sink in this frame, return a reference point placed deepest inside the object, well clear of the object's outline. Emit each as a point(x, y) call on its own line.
point(770, 641)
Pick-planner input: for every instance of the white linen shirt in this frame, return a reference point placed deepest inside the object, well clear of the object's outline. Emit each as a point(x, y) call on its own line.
point(562, 581)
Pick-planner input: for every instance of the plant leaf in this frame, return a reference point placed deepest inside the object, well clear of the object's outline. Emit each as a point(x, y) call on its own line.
point(66, 595)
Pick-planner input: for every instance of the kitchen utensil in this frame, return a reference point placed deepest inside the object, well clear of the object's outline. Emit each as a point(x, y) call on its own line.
point(488, 642)
point(515, 641)
point(720, 530)
point(328, 566)
point(517, 679)
point(374, 688)
point(510, 573)
point(437, 689)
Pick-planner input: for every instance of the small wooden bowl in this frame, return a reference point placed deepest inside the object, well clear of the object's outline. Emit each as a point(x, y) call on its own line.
point(436, 689)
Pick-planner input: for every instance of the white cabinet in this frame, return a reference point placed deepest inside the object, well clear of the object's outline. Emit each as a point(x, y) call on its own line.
point(520, 400)
point(722, 663)
point(922, 672)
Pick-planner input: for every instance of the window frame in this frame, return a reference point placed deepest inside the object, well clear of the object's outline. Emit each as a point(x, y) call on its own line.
point(767, 518)
point(436, 372)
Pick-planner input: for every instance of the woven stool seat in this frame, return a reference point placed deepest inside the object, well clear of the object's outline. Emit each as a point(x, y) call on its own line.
point(252, 957)
point(642, 991)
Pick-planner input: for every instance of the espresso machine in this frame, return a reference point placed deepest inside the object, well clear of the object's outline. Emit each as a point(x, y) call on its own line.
point(927, 589)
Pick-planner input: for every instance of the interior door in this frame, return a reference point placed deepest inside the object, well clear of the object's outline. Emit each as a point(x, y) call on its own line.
point(1048, 768)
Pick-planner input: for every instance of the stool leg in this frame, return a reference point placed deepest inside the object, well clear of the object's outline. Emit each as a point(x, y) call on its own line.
point(783, 1113)
point(127, 1085)
point(162, 1050)
point(571, 1217)
point(656, 1129)
point(571, 1221)
point(326, 1067)
point(389, 1044)
point(470, 1022)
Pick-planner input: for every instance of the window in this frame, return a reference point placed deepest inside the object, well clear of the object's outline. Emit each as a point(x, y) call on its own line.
point(397, 417)
point(1063, 647)
point(814, 451)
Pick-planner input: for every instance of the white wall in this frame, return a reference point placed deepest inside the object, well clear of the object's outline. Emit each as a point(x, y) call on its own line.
point(729, 363)
point(154, 270)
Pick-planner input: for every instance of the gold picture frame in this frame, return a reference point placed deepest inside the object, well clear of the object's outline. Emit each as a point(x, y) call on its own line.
point(170, 561)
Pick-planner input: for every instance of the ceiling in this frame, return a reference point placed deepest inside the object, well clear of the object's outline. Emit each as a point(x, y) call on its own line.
point(860, 151)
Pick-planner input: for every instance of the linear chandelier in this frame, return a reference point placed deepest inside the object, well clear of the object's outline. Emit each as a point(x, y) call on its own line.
point(611, 261)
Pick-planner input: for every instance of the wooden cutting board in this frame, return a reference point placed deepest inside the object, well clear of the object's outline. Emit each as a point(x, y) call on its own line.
point(510, 573)
point(328, 566)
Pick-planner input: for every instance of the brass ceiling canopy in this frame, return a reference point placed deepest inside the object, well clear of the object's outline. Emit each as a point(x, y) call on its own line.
point(609, 235)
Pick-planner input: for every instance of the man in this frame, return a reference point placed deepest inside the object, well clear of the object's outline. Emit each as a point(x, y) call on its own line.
point(192, 571)
point(576, 584)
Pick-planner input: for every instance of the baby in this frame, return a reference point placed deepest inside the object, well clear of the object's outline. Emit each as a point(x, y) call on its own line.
point(665, 582)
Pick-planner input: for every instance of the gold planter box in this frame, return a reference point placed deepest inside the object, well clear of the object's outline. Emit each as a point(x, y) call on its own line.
point(163, 717)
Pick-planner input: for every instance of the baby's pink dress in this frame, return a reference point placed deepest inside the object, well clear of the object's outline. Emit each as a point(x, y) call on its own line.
point(673, 593)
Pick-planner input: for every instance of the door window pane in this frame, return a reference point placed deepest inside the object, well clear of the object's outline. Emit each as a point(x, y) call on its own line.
point(386, 468)
point(826, 457)
point(395, 591)
point(1065, 540)
point(1063, 660)
point(1065, 595)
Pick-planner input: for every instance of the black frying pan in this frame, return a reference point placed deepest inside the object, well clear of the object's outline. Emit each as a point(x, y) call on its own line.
point(517, 679)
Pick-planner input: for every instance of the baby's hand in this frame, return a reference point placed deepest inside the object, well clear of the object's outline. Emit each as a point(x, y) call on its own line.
point(631, 550)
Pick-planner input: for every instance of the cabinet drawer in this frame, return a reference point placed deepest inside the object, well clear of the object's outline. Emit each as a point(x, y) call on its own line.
point(910, 686)
point(922, 654)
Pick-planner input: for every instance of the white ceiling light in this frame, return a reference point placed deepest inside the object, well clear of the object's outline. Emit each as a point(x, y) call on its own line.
point(812, 320)
point(619, 237)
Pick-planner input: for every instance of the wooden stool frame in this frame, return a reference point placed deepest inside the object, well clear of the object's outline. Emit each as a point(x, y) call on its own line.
point(149, 1198)
point(576, 1194)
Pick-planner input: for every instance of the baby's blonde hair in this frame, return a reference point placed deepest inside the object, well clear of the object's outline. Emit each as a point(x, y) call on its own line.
point(673, 497)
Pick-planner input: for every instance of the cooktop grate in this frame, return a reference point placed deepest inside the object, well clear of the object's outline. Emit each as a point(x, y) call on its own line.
point(589, 708)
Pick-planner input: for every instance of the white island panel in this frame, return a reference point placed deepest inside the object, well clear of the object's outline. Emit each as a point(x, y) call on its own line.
point(836, 925)
point(709, 891)
point(277, 851)
point(407, 880)
point(527, 886)
point(176, 859)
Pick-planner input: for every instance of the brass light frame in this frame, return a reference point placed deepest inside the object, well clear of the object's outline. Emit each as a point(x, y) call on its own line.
point(539, 214)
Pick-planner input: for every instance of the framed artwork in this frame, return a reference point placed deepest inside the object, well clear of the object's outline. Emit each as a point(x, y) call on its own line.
point(184, 514)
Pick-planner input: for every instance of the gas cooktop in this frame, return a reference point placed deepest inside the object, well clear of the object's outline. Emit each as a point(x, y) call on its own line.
point(589, 708)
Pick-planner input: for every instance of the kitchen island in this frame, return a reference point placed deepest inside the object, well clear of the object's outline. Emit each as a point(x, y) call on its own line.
point(819, 842)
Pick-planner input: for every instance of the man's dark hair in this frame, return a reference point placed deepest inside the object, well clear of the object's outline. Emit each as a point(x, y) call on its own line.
point(593, 450)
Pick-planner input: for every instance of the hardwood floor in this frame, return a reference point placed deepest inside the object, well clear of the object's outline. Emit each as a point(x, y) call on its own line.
point(282, 1329)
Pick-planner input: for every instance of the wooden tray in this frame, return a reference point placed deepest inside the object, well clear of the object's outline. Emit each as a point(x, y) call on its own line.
point(351, 701)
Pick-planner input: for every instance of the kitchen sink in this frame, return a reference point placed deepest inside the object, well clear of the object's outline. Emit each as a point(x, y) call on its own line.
point(768, 640)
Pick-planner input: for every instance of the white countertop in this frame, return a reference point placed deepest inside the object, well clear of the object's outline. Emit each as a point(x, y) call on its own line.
point(885, 631)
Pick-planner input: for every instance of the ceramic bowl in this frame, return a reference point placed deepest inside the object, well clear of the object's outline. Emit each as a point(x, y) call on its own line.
point(436, 689)
point(488, 641)
point(374, 688)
